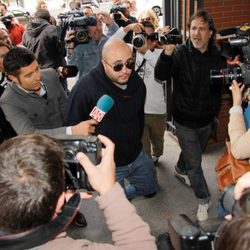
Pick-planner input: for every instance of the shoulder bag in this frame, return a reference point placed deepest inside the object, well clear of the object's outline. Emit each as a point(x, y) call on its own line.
point(228, 169)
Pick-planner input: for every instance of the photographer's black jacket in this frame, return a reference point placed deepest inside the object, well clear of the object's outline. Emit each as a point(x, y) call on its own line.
point(43, 39)
point(124, 123)
point(195, 100)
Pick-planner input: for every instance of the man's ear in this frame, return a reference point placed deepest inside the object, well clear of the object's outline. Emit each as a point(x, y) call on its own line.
point(211, 33)
point(13, 78)
point(104, 64)
point(59, 204)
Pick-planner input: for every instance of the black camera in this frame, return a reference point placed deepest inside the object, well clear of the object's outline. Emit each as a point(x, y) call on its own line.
point(140, 39)
point(7, 20)
point(80, 26)
point(186, 234)
point(238, 45)
point(116, 9)
point(75, 176)
point(75, 20)
point(172, 37)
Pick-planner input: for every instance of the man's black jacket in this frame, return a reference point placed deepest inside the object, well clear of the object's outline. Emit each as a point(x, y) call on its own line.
point(195, 101)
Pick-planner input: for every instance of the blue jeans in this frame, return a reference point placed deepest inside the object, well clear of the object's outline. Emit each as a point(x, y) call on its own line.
point(193, 142)
point(141, 176)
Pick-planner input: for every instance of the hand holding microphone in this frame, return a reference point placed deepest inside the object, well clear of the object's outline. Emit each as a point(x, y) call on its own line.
point(84, 128)
point(104, 104)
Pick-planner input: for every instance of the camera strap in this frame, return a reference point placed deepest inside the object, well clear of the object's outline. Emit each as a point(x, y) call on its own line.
point(44, 233)
point(142, 63)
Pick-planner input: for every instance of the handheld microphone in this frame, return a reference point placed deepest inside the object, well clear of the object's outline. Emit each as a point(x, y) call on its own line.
point(104, 104)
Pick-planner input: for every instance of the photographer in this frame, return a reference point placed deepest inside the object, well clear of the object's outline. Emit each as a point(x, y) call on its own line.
point(121, 15)
point(239, 135)
point(87, 55)
point(33, 199)
point(15, 29)
point(195, 101)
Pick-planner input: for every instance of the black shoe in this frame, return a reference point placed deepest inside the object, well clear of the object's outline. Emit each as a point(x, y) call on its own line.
point(150, 195)
point(80, 220)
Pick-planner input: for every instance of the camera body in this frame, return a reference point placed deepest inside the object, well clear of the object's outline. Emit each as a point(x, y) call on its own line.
point(172, 37)
point(238, 45)
point(75, 20)
point(78, 24)
point(186, 234)
point(7, 20)
point(75, 176)
point(115, 11)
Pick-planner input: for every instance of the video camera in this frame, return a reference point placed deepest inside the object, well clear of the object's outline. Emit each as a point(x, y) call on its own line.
point(172, 37)
point(188, 235)
point(75, 20)
point(238, 45)
point(75, 176)
point(7, 20)
point(115, 11)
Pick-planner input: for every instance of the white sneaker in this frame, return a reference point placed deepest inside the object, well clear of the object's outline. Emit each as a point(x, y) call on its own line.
point(202, 212)
point(182, 177)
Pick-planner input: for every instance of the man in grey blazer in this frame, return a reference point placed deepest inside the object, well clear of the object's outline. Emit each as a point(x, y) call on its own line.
point(34, 101)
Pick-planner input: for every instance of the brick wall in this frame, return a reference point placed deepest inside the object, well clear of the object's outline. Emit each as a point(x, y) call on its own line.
point(228, 13)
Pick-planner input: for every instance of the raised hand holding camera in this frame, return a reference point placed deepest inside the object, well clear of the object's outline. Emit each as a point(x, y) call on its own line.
point(237, 90)
point(102, 176)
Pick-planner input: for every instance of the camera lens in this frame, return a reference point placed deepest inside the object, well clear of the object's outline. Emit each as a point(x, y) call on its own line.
point(81, 36)
point(69, 154)
point(139, 40)
point(226, 75)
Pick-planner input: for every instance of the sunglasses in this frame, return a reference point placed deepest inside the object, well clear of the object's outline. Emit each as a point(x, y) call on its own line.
point(147, 19)
point(119, 66)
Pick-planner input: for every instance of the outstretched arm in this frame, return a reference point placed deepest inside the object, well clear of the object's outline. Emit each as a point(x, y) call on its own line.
point(129, 231)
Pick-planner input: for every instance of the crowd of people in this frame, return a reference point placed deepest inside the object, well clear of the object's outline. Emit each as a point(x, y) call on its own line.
point(36, 106)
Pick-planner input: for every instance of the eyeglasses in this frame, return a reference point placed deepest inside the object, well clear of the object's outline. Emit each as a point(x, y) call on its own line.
point(119, 66)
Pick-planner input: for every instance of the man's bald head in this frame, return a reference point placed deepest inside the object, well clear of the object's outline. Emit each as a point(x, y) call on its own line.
point(114, 46)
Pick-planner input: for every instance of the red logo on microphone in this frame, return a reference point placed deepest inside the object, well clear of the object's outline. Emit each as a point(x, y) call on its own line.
point(97, 114)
